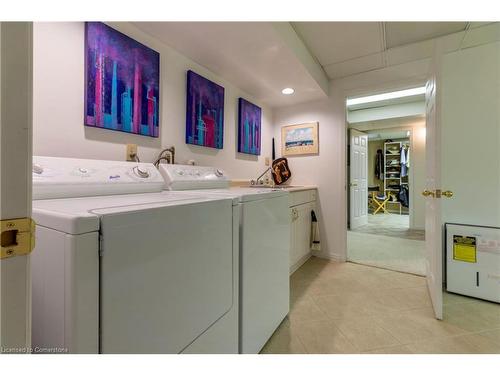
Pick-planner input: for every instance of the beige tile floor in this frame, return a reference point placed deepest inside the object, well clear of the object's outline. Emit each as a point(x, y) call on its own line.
point(351, 308)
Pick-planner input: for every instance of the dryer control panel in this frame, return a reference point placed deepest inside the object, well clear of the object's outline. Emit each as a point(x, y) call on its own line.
point(67, 178)
point(192, 177)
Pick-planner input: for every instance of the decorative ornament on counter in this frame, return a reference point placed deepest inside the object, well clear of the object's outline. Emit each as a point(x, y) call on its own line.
point(204, 112)
point(280, 171)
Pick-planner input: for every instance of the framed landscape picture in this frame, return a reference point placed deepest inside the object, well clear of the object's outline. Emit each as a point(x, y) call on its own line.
point(249, 127)
point(301, 139)
point(204, 112)
point(122, 80)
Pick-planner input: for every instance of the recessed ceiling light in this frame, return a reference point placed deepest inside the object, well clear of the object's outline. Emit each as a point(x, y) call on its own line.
point(386, 96)
point(287, 91)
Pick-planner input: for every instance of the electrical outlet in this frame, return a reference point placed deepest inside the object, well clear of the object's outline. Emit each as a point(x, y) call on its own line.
point(267, 161)
point(131, 151)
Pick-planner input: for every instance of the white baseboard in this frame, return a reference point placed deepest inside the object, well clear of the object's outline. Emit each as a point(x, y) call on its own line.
point(301, 261)
point(329, 256)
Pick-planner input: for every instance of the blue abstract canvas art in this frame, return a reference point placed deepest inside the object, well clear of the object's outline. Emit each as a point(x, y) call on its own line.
point(249, 127)
point(121, 82)
point(204, 112)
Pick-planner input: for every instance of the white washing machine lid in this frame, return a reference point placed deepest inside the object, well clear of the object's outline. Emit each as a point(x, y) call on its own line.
point(239, 195)
point(81, 215)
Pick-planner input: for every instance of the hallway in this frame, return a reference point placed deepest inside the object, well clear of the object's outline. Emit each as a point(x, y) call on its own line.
point(391, 225)
point(386, 241)
point(388, 252)
point(350, 308)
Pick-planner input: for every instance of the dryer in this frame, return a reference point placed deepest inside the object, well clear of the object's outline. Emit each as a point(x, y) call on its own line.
point(263, 221)
point(121, 266)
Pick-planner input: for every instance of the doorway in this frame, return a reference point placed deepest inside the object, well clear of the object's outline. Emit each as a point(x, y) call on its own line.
point(386, 172)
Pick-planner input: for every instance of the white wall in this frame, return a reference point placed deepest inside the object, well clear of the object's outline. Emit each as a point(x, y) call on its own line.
point(326, 170)
point(59, 106)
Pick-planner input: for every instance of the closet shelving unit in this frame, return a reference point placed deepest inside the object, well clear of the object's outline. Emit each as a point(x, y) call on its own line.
point(392, 170)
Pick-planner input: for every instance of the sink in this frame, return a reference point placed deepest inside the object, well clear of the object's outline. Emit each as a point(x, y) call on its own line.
point(279, 187)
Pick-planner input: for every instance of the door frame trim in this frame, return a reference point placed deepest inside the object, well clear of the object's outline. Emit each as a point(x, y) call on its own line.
point(369, 90)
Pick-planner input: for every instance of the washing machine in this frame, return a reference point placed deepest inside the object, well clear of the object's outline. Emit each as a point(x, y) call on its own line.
point(263, 228)
point(122, 266)
point(473, 261)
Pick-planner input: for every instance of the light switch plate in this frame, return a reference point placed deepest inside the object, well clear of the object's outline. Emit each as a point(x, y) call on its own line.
point(131, 152)
point(267, 161)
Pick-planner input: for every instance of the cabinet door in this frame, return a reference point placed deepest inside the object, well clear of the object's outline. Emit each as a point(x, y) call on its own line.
point(294, 254)
point(301, 232)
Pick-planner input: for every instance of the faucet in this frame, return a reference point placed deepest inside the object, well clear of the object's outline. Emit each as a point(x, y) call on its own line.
point(167, 154)
point(258, 181)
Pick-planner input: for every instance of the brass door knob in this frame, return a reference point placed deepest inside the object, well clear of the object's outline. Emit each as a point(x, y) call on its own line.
point(447, 193)
point(428, 193)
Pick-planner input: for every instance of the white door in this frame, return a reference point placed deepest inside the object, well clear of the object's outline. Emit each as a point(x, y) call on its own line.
point(358, 179)
point(15, 188)
point(433, 232)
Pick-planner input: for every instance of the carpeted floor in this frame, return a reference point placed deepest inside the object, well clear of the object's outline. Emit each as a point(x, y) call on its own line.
point(392, 225)
point(397, 254)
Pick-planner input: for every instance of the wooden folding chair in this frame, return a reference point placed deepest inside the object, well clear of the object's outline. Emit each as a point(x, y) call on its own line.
point(379, 202)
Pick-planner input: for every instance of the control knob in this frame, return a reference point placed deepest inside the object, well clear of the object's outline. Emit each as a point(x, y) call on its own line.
point(37, 168)
point(140, 172)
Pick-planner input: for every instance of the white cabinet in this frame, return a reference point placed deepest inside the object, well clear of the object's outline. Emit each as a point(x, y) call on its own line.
point(301, 205)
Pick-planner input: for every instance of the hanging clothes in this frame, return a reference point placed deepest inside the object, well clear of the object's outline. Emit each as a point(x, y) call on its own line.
point(402, 162)
point(379, 165)
point(404, 196)
point(407, 158)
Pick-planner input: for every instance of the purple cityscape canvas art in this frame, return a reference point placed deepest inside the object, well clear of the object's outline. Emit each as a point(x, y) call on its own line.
point(249, 127)
point(122, 82)
point(204, 112)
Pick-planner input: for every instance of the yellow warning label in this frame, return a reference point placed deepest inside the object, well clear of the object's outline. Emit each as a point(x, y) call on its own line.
point(464, 249)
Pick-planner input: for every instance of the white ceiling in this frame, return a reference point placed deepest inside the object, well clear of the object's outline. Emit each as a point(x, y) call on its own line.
point(347, 48)
point(401, 33)
point(335, 42)
point(251, 55)
point(262, 58)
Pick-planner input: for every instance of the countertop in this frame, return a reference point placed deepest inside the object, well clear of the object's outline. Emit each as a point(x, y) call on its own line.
point(291, 188)
point(298, 187)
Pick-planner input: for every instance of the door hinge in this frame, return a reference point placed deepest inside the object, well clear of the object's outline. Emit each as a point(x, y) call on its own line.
point(17, 237)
